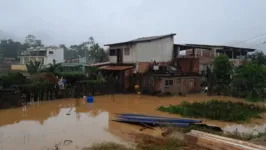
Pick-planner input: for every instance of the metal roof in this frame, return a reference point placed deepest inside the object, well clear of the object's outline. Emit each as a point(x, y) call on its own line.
point(115, 67)
point(98, 64)
point(143, 39)
point(203, 46)
point(71, 64)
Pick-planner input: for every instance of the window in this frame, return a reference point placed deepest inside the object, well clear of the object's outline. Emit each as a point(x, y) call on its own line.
point(112, 52)
point(168, 83)
point(126, 51)
point(191, 83)
point(51, 52)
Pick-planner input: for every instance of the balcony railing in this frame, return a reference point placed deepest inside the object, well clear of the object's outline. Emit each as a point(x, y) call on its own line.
point(33, 53)
point(237, 62)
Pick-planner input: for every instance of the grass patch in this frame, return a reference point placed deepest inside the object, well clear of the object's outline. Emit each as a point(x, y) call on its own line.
point(254, 99)
point(107, 146)
point(216, 110)
point(167, 144)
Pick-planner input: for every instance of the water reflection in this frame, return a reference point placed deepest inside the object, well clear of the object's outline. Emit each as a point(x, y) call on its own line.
point(42, 125)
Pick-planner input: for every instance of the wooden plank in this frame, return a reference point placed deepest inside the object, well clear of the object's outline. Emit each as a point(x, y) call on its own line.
point(214, 142)
point(228, 139)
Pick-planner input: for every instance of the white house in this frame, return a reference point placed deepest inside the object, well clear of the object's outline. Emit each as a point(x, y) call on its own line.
point(43, 54)
point(144, 49)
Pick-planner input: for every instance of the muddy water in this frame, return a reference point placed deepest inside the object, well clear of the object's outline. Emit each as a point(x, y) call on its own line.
point(45, 125)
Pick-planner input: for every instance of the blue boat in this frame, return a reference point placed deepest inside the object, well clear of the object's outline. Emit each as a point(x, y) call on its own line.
point(157, 119)
point(152, 123)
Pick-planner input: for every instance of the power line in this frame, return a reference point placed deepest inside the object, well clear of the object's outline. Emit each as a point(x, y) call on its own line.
point(249, 39)
point(258, 44)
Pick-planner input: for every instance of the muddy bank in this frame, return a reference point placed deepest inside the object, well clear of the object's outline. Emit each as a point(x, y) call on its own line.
point(146, 142)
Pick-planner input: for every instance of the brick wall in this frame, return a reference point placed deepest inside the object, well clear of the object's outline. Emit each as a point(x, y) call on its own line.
point(180, 84)
point(188, 64)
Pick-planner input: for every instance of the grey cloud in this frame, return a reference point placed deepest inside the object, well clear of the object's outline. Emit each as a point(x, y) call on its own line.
point(73, 21)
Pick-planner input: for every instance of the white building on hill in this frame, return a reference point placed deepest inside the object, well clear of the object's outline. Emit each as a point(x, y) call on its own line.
point(43, 54)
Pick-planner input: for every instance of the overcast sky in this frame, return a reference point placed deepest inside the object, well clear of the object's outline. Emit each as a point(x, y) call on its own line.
point(108, 21)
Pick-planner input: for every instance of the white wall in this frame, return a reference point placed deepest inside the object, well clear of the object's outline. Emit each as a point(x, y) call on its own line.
point(160, 50)
point(58, 55)
point(112, 59)
point(131, 58)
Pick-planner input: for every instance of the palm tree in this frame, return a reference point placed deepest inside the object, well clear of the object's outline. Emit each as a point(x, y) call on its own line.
point(53, 67)
point(34, 66)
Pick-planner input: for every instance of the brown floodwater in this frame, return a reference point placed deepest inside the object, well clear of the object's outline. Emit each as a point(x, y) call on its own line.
point(42, 126)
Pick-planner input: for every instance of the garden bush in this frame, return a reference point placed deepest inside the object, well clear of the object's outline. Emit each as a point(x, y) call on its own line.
point(216, 110)
point(13, 78)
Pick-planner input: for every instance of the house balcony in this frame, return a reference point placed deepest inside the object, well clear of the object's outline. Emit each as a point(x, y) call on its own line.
point(33, 54)
point(237, 62)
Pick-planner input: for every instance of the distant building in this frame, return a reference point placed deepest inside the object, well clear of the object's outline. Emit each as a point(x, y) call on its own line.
point(76, 64)
point(206, 53)
point(43, 54)
point(9, 60)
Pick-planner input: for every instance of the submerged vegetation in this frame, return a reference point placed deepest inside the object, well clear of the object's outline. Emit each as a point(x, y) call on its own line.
point(216, 110)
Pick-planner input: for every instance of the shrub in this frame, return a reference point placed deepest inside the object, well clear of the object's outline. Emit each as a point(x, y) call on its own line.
point(12, 79)
point(217, 110)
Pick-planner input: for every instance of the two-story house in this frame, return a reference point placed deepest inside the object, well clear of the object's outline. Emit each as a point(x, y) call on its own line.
point(136, 57)
point(145, 49)
point(43, 54)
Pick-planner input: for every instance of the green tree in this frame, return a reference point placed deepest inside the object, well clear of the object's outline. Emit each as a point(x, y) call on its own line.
point(89, 49)
point(53, 67)
point(10, 48)
point(249, 81)
point(95, 52)
point(31, 41)
point(258, 57)
point(222, 69)
point(92, 73)
point(34, 66)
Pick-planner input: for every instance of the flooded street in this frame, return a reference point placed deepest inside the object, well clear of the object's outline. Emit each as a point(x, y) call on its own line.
point(44, 125)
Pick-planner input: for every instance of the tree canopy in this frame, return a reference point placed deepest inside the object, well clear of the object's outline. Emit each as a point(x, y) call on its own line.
point(90, 48)
point(222, 69)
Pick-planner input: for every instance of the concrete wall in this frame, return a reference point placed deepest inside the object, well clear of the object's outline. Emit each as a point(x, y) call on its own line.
point(19, 67)
point(160, 50)
point(58, 56)
point(131, 58)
